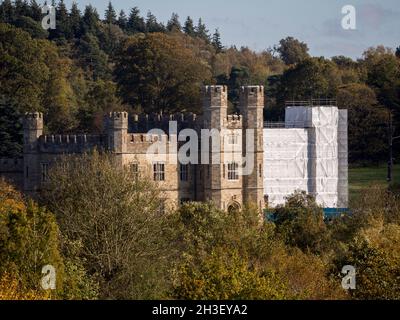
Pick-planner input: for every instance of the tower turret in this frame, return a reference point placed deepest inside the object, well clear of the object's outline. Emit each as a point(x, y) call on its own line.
point(252, 110)
point(33, 129)
point(117, 132)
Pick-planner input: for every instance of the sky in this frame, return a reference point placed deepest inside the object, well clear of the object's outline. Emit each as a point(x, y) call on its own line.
point(260, 24)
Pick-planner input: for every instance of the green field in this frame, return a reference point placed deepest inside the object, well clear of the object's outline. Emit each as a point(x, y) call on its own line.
point(364, 177)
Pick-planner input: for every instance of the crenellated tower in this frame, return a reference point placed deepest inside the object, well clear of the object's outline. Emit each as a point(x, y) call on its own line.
point(33, 130)
point(252, 110)
point(117, 132)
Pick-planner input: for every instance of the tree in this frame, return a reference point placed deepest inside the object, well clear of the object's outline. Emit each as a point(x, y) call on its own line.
point(6, 11)
point(398, 52)
point(92, 58)
point(301, 223)
point(110, 14)
point(201, 31)
point(122, 20)
point(173, 24)
point(90, 19)
point(311, 78)
point(225, 275)
point(35, 11)
point(157, 73)
point(10, 130)
point(63, 27)
point(367, 123)
point(29, 240)
point(23, 68)
point(216, 41)
point(21, 8)
point(123, 233)
point(292, 51)
point(152, 25)
point(189, 28)
point(75, 20)
point(136, 23)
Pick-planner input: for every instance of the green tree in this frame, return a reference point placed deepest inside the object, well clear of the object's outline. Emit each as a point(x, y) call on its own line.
point(110, 14)
point(29, 240)
point(23, 68)
point(189, 28)
point(173, 24)
point(90, 20)
point(75, 20)
point(225, 275)
point(292, 51)
point(117, 220)
point(152, 25)
point(301, 223)
point(122, 20)
point(136, 23)
point(11, 138)
point(202, 32)
point(367, 123)
point(157, 73)
point(35, 11)
point(311, 78)
point(216, 41)
point(6, 11)
point(92, 58)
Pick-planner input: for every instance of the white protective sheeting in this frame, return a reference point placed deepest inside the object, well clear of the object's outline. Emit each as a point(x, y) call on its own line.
point(310, 155)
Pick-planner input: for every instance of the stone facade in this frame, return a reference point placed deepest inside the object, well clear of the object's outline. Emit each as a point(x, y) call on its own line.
point(221, 180)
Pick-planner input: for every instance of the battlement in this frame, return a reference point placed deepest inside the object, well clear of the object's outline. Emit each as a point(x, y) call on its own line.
point(117, 120)
point(70, 143)
point(8, 165)
point(215, 96)
point(252, 96)
point(141, 123)
point(33, 120)
point(234, 121)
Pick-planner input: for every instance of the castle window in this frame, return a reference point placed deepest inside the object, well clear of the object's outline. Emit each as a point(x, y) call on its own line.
point(27, 172)
point(233, 171)
point(45, 169)
point(184, 172)
point(159, 171)
point(135, 170)
point(233, 139)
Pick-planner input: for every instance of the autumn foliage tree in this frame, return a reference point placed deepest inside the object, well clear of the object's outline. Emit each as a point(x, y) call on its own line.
point(156, 73)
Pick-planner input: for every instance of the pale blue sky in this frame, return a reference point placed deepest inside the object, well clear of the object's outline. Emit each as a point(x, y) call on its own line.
point(260, 24)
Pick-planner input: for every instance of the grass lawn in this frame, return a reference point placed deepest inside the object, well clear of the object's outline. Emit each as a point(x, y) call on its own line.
point(362, 178)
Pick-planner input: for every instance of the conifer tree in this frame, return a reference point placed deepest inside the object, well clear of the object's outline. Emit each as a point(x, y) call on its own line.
point(216, 41)
point(122, 20)
point(75, 20)
point(201, 31)
point(35, 11)
point(189, 27)
point(136, 23)
point(174, 24)
point(152, 25)
point(110, 15)
point(6, 11)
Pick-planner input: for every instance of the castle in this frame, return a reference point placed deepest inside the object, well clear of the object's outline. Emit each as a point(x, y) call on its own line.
point(308, 152)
